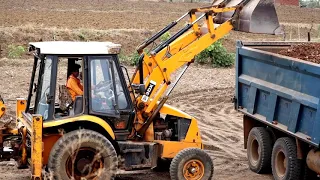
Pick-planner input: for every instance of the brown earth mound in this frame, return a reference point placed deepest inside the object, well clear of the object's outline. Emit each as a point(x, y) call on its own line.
point(306, 51)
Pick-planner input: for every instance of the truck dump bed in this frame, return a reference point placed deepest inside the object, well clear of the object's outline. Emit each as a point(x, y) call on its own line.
point(280, 91)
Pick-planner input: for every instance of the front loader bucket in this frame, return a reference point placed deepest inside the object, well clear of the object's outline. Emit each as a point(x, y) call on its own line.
point(257, 16)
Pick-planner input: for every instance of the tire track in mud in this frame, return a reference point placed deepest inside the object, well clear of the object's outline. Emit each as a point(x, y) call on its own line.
point(220, 126)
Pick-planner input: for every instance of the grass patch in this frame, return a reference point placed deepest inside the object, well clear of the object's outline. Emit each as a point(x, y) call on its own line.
point(216, 55)
point(131, 60)
point(15, 51)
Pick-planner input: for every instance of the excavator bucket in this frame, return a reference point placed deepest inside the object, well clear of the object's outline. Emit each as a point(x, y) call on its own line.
point(256, 16)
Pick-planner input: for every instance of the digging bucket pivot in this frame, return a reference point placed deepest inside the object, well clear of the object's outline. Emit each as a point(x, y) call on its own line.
point(256, 16)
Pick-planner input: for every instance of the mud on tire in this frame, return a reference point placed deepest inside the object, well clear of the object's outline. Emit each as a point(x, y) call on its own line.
point(79, 148)
point(259, 149)
point(191, 163)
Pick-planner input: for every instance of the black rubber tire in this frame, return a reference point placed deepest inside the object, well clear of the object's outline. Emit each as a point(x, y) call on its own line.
point(259, 140)
point(285, 148)
point(70, 142)
point(308, 174)
point(178, 162)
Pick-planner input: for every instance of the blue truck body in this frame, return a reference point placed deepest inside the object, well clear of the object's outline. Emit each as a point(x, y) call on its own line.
point(279, 91)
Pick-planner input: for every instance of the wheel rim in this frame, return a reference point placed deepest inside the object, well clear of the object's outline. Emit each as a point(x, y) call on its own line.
point(85, 163)
point(280, 164)
point(254, 152)
point(193, 170)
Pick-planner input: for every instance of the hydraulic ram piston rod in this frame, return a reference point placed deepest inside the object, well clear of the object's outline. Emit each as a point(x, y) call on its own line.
point(158, 34)
point(174, 37)
point(145, 126)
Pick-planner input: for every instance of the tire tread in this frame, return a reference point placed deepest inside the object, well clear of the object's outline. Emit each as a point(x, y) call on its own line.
point(72, 138)
point(294, 165)
point(174, 166)
point(264, 139)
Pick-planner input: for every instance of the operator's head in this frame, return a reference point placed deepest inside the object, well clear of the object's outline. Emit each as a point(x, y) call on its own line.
point(75, 70)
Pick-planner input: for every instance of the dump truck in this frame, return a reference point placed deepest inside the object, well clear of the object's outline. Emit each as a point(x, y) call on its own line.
point(279, 98)
point(116, 122)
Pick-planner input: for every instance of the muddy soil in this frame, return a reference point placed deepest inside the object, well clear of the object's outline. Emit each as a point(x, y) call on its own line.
point(305, 51)
point(126, 22)
point(103, 14)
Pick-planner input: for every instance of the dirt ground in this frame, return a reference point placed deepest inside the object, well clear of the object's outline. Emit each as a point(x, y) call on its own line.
point(124, 22)
point(204, 92)
point(104, 14)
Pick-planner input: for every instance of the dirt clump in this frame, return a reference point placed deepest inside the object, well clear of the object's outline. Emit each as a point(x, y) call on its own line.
point(305, 51)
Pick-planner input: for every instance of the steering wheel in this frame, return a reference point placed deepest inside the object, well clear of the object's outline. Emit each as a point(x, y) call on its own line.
point(104, 90)
point(106, 87)
point(105, 101)
point(103, 86)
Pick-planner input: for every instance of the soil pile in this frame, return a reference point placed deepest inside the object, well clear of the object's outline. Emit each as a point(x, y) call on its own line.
point(305, 51)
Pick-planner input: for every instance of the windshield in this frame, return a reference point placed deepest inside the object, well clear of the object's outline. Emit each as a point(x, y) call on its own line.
point(106, 95)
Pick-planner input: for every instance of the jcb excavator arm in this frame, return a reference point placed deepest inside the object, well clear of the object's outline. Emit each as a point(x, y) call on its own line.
point(2, 107)
point(154, 71)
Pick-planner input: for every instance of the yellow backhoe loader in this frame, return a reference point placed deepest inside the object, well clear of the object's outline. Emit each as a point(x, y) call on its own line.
point(115, 124)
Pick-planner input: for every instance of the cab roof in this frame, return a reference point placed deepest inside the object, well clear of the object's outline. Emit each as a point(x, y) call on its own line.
point(75, 48)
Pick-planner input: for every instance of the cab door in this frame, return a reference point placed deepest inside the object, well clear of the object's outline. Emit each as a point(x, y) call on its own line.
point(44, 104)
point(109, 98)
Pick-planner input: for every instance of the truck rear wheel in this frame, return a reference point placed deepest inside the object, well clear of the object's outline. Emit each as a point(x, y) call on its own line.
point(191, 164)
point(308, 174)
point(285, 164)
point(259, 148)
point(82, 154)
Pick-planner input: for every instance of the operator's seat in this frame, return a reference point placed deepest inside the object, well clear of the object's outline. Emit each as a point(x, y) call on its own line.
point(65, 99)
point(77, 106)
point(66, 104)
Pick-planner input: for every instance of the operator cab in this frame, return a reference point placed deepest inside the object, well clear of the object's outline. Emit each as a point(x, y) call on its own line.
point(104, 89)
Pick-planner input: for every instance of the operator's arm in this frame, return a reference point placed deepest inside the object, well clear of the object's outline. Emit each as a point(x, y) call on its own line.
point(78, 89)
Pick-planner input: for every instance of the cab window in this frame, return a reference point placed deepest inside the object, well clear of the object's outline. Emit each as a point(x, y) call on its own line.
point(106, 89)
point(43, 106)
